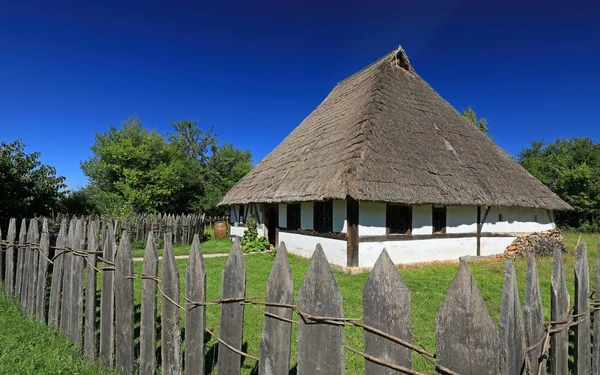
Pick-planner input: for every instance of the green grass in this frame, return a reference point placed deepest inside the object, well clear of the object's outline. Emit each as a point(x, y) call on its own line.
point(212, 246)
point(27, 347)
point(428, 286)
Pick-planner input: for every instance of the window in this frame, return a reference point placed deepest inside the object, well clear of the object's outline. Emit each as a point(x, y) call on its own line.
point(293, 216)
point(241, 213)
point(439, 219)
point(500, 217)
point(323, 216)
point(399, 219)
point(535, 218)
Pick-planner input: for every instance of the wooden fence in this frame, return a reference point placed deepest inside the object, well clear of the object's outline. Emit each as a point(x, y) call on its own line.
point(57, 285)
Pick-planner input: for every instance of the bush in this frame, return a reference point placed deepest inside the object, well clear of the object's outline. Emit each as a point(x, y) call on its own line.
point(251, 241)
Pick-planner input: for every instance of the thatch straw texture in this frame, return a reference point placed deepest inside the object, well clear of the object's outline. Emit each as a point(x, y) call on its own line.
point(384, 134)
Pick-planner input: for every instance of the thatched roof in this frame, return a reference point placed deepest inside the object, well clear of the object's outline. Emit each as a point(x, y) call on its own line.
point(384, 134)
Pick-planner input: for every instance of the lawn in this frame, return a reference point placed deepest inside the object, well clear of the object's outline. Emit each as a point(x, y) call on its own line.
point(211, 246)
point(27, 347)
point(428, 286)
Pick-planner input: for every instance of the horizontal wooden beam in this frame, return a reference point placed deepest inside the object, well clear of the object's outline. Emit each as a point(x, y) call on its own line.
point(304, 232)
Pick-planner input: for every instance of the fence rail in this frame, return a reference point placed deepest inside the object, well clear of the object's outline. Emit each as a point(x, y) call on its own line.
point(51, 281)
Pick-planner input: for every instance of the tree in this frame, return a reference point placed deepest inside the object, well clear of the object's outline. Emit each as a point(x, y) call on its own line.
point(29, 188)
point(570, 168)
point(470, 115)
point(78, 202)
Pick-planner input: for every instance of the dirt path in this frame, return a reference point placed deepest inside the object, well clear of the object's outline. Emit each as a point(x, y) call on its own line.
point(206, 255)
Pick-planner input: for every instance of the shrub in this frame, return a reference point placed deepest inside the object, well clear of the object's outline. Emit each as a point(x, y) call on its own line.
point(251, 241)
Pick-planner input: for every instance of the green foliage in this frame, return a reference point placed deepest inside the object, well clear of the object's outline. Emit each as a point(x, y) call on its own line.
point(470, 115)
point(78, 202)
point(251, 241)
point(29, 188)
point(134, 169)
point(570, 168)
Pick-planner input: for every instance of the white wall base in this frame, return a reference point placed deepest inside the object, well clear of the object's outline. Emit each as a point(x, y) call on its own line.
point(239, 231)
point(304, 246)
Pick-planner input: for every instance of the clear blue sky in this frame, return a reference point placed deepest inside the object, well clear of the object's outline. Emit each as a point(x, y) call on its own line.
point(255, 69)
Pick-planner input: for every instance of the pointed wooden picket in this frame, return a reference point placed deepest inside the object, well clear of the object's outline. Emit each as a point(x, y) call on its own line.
point(42, 279)
point(20, 259)
point(472, 351)
point(559, 312)
point(148, 313)
point(596, 345)
point(195, 315)
point(277, 333)
point(107, 300)
point(2, 257)
point(33, 267)
point(89, 334)
point(124, 308)
point(170, 318)
point(534, 316)
point(232, 314)
point(24, 248)
point(320, 346)
point(512, 330)
point(386, 307)
point(57, 276)
point(77, 269)
point(10, 257)
point(66, 303)
point(583, 329)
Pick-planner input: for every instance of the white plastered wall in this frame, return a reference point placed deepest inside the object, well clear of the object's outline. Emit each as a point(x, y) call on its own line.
point(304, 246)
point(517, 220)
point(371, 219)
point(339, 216)
point(282, 215)
point(306, 215)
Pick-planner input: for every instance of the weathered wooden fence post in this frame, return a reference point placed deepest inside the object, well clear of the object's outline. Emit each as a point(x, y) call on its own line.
point(42, 279)
point(559, 312)
point(582, 330)
point(148, 313)
point(512, 330)
point(66, 304)
point(124, 308)
point(320, 345)
point(33, 267)
point(596, 345)
point(89, 335)
point(77, 268)
point(2, 258)
point(107, 300)
point(57, 276)
point(470, 351)
point(10, 257)
point(233, 286)
point(534, 316)
point(195, 315)
point(171, 328)
point(20, 259)
point(277, 333)
point(386, 307)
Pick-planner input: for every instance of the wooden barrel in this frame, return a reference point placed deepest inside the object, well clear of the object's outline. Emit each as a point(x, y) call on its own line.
point(220, 230)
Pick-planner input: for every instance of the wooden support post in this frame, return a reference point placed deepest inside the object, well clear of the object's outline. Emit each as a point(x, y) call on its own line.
point(480, 223)
point(352, 232)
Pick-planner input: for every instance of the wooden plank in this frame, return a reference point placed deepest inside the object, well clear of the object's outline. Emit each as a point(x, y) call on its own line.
point(26, 269)
point(320, 345)
point(77, 269)
point(277, 333)
point(583, 361)
point(2, 258)
point(386, 307)
point(89, 333)
point(57, 276)
point(170, 317)
point(534, 315)
point(34, 264)
point(107, 301)
point(471, 351)
point(66, 303)
point(20, 259)
point(512, 328)
point(596, 345)
point(124, 308)
point(10, 257)
point(559, 312)
point(148, 313)
point(195, 315)
point(42, 279)
point(232, 314)
point(352, 243)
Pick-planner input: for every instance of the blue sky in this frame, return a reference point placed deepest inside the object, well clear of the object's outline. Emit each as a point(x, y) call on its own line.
point(254, 70)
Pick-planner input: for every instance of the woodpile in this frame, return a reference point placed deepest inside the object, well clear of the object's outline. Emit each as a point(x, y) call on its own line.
point(539, 243)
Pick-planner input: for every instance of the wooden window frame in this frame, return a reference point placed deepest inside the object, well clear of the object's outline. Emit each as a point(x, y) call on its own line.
point(293, 222)
point(323, 216)
point(439, 210)
point(389, 212)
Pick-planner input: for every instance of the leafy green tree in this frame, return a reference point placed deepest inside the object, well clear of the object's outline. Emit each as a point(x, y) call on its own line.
point(29, 188)
point(470, 115)
point(570, 168)
point(78, 202)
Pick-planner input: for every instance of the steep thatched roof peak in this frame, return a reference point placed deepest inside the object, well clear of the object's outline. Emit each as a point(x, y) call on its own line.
point(383, 134)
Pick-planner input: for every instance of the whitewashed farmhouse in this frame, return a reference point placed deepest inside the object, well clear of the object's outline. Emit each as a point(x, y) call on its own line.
point(385, 162)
